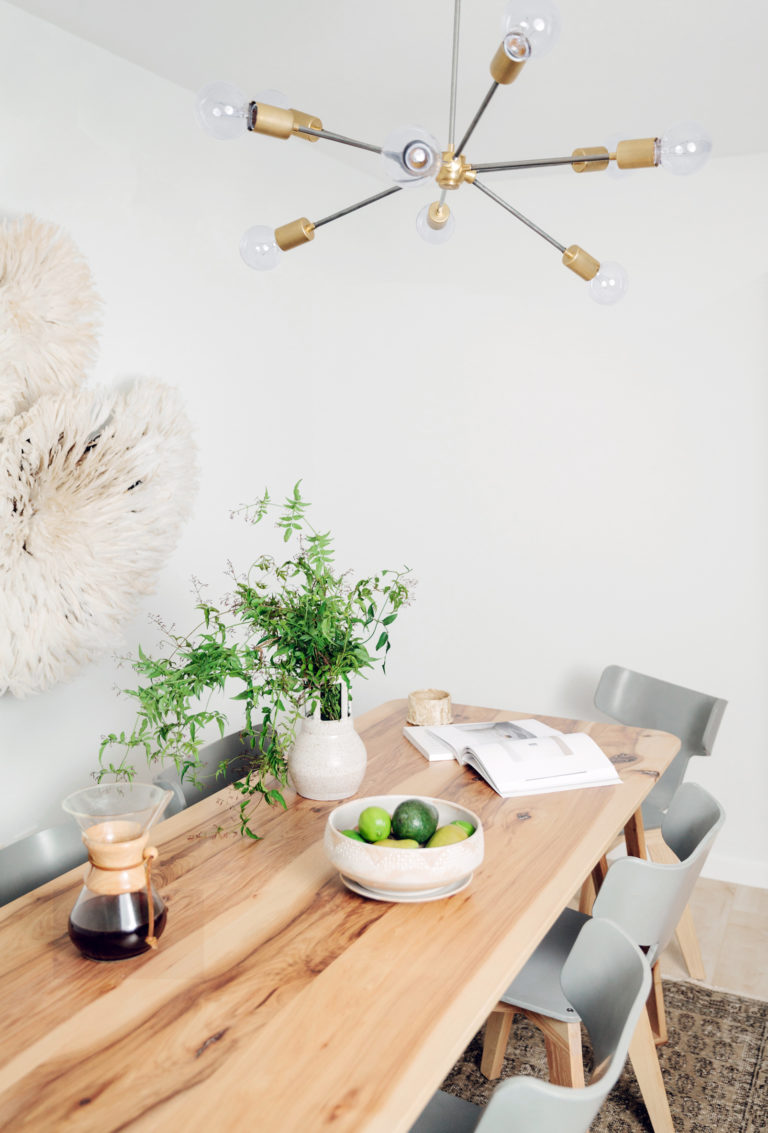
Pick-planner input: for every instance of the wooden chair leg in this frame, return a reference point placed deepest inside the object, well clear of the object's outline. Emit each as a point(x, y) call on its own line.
point(495, 1042)
point(659, 851)
point(655, 1005)
point(564, 1054)
point(645, 1063)
point(689, 945)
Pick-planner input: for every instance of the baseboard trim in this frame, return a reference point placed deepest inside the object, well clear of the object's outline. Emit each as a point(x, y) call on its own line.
point(738, 871)
point(718, 867)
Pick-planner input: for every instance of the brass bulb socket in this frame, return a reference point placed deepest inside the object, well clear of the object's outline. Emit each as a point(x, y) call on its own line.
point(503, 69)
point(581, 262)
point(639, 153)
point(438, 215)
point(272, 120)
point(307, 120)
point(297, 232)
point(590, 166)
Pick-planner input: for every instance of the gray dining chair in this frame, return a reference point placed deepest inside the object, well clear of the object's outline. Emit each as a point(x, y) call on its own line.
point(648, 702)
point(645, 899)
point(607, 978)
point(38, 858)
point(230, 750)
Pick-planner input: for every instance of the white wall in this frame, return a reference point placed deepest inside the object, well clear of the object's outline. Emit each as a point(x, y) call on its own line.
point(572, 486)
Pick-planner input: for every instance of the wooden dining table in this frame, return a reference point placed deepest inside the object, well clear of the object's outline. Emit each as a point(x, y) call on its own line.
point(278, 1000)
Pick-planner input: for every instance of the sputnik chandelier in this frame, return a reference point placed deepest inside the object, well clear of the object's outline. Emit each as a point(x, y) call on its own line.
point(411, 156)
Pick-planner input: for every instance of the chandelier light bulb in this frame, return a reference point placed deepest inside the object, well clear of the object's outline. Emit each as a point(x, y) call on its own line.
point(609, 285)
point(435, 229)
point(517, 46)
point(684, 148)
point(537, 21)
point(259, 249)
point(410, 155)
point(222, 110)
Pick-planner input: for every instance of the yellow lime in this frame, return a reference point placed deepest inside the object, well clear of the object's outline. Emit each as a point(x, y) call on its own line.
point(414, 818)
point(374, 824)
point(401, 843)
point(463, 825)
point(447, 835)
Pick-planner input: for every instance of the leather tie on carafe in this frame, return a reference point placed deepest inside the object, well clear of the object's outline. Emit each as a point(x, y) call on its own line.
point(150, 853)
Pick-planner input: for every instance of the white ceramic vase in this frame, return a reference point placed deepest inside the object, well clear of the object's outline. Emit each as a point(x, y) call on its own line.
point(328, 759)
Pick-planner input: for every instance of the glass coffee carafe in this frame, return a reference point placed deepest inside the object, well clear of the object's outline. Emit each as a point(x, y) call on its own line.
point(118, 913)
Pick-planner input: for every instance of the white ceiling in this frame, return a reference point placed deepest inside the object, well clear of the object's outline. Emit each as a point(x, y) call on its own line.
point(619, 69)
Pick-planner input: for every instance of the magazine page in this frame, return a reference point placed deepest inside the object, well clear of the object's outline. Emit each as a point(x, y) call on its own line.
point(461, 737)
point(448, 741)
point(541, 764)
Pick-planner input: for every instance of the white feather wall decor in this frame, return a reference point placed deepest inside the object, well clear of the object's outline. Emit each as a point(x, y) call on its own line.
point(94, 488)
point(49, 313)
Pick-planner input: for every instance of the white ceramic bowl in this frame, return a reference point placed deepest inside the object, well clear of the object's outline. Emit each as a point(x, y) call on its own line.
point(410, 871)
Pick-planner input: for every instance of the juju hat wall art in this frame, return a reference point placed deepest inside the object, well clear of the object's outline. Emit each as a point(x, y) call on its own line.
point(49, 313)
point(95, 485)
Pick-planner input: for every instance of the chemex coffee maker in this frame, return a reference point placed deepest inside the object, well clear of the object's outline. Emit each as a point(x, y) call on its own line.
point(118, 913)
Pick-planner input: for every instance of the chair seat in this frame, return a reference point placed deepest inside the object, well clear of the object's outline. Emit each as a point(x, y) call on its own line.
point(537, 986)
point(446, 1113)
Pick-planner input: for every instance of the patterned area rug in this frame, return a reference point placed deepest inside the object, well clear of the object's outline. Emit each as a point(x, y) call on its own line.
point(715, 1066)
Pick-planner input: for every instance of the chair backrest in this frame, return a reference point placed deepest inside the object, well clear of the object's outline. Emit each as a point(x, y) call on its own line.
point(607, 979)
point(231, 750)
point(39, 858)
point(647, 898)
point(647, 702)
point(169, 781)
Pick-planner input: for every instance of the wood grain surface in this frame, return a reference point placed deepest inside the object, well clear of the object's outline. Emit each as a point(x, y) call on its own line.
point(278, 1001)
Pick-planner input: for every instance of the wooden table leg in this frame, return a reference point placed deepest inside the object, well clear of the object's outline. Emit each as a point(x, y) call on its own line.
point(634, 836)
point(591, 886)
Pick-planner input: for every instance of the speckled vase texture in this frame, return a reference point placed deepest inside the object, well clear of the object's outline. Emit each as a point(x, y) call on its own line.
point(328, 759)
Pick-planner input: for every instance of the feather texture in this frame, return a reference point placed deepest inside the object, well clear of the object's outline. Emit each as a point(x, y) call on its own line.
point(94, 488)
point(49, 313)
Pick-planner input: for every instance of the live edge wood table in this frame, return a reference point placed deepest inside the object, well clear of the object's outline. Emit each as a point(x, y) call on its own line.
point(278, 1001)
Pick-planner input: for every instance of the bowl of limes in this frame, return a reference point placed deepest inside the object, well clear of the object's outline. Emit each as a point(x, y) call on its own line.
point(403, 847)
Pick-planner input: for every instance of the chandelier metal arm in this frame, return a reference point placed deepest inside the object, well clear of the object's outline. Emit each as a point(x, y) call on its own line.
point(477, 117)
point(533, 163)
point(454, 73)
point(358, 205)
point(504, 204)
point(331, 137)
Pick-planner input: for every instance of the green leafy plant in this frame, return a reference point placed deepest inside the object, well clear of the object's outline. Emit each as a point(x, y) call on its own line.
point(286, 639)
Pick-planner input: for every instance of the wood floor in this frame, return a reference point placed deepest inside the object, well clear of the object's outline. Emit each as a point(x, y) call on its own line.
point(732, 926)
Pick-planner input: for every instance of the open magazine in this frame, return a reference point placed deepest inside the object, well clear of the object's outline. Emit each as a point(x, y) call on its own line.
point(518, 757)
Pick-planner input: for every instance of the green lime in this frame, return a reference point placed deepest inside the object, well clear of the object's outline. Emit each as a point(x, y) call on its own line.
point(401, 843)
point(447, 835)
point(416, 819)
point(353, 834)
point(463, 825)
point(374, 824)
